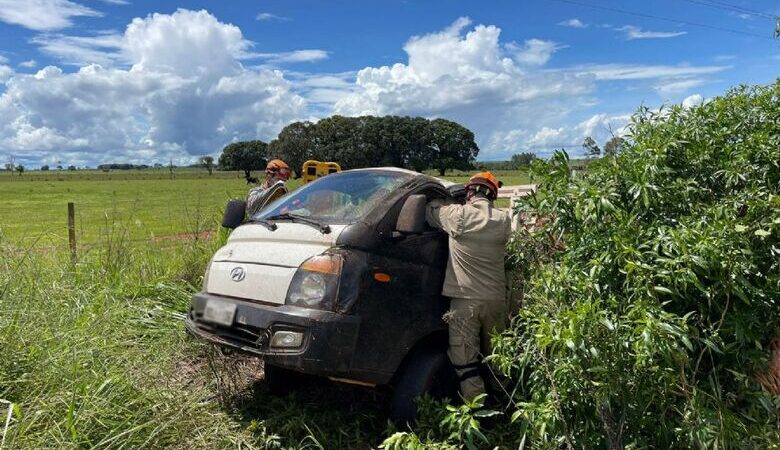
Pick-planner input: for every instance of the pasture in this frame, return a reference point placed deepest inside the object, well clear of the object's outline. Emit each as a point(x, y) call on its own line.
point(149, 204)
point(95, 355)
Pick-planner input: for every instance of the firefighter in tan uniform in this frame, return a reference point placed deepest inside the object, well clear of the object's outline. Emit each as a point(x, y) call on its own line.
point(276, 172)
point(475, 280)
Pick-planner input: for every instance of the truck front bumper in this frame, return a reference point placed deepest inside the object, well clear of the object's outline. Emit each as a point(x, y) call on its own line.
point(326, 348)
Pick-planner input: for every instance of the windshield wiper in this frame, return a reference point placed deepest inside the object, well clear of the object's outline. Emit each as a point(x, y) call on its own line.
point(271, 226)
point(324, 228)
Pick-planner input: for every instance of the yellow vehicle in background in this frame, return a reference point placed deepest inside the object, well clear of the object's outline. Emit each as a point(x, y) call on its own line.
point(315, 169)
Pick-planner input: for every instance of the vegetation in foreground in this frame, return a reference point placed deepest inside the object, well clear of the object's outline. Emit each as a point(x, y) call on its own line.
point(651, 294)
point(94, 355)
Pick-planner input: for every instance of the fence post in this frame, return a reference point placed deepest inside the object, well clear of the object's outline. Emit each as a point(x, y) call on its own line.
point(72, 231)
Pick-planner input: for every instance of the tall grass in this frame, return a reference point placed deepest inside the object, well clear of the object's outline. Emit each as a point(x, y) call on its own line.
point(95, 355)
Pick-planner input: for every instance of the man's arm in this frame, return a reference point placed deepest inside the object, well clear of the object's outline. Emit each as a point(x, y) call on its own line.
point(448, 218)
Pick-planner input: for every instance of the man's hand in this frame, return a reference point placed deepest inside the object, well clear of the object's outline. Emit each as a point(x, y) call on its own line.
point(437, 202)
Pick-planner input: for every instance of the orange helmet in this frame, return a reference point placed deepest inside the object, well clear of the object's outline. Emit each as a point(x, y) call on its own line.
point(277, 165)
point(487, 181)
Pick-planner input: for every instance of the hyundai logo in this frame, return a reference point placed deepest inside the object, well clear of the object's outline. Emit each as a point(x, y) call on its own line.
point(237, 274)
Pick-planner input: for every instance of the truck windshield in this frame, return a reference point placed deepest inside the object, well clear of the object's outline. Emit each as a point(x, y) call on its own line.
point(339, 198)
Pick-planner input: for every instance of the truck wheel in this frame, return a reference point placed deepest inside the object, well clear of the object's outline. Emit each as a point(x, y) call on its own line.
point(427, 372)
point(280, 381)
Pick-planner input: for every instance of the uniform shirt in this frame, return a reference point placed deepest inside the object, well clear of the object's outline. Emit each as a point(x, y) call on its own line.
point(478, 233)
point(258, 198)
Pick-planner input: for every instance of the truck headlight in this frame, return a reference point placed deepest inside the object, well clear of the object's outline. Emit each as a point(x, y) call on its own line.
point(316, 283)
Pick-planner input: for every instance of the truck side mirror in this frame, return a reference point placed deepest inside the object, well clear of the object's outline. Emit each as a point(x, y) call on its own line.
point(412, 216)
point(234, 214)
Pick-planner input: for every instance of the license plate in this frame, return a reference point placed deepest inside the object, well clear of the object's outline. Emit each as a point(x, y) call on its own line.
point(219, 312)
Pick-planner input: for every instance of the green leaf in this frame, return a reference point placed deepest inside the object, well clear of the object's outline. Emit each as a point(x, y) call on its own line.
point(762, 233)
point(662, 290)
point(740, 228)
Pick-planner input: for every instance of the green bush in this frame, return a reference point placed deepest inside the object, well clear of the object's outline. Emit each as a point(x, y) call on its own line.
point(651, 291)
point(647, 327)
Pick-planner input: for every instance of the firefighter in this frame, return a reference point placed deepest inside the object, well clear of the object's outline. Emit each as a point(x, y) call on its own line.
point(475, 280)
point(277, 172)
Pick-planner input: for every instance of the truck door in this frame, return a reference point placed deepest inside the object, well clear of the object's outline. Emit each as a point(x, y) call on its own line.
point(402, 301)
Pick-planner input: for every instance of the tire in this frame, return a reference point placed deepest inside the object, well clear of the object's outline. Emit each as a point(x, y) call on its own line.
point(280, 381)
point(426, 372)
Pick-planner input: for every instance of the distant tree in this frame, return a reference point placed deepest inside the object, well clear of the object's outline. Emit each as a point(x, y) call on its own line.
point(156, 166)
point(20, 169)
point(246, 156)
point(59, 167)
point(44, 168)
point(71, 167)
point(614, 146)
point(207, 162)
point(592, 150)
point(294, 145)
point(522, 159)
point(453, 146)
point(10, 167)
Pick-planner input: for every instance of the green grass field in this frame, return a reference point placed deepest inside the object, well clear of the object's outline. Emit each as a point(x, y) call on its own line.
point(150, 204)
point(95, 355)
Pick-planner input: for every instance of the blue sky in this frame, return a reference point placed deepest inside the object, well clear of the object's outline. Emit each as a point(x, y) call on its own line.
point(85, 82)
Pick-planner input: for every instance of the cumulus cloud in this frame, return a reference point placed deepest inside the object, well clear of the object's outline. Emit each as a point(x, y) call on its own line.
point(693, 100)
point(29, 64)
point(468, 76)
point(573, 23)
point(183, 92)
point(43, 15)
point(633, 32)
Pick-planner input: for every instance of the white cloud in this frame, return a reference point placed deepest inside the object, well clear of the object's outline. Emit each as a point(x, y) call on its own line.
point(100, 49)
point(679, 86)
point(43, 15)
point(534, 52)
point(5, 73)
point(266, 16)
point(184, 93)
point(470, 77)
point(693, 100)
point(29, 64)
point(296, 56)
point(573, 23)
point(640, 71)
point(633, 32)
point(724, 57)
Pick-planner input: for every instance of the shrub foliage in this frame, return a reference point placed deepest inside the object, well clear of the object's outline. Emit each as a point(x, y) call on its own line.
point(648, 325)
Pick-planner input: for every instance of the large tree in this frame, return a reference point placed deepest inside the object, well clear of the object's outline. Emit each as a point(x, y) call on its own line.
point(294, 145)
point(244, 155)
point(368, 141)
point(453, 146)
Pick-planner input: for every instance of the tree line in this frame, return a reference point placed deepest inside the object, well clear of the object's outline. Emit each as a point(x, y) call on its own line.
point(411, 142)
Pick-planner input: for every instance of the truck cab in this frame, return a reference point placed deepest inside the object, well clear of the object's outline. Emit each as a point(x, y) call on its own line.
point(341, 279)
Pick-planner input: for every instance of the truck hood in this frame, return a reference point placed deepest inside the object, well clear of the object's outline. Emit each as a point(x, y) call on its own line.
point(258, 264)
point(289, 246)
